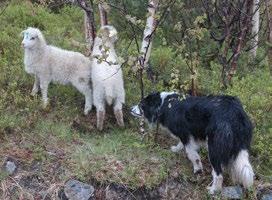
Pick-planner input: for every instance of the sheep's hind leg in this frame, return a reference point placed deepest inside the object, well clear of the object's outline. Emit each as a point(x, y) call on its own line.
point(85, 89)
point(35, 88)
point(119, 114)
point(100, 116)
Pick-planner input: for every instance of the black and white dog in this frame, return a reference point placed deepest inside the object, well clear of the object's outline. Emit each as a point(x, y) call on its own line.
point(218, 120)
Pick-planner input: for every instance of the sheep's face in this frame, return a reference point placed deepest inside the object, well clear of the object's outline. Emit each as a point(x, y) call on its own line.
point(108, 33)
point(30, 39)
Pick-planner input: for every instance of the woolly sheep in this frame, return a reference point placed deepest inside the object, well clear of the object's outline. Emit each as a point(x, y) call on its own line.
point(107, 77)
point(51, 64)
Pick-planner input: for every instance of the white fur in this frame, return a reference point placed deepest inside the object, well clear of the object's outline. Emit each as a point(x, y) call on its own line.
point(192, 153)
point(51, 64)
point(163, 95)
point(177, 148)
point(216, 184)
point(108, 84)
point(241, 170)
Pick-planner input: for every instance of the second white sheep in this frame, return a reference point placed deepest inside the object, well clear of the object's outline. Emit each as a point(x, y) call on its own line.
point(107, 77)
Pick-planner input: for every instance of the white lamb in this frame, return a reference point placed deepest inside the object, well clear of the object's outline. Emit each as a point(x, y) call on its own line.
point(51, 64)
point(107, 77)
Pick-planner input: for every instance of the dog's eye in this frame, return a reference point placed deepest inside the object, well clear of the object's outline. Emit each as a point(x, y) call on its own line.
point(33, 38)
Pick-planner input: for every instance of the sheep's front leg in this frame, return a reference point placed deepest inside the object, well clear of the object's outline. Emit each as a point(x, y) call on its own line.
point(35, 89)
point(44, 88)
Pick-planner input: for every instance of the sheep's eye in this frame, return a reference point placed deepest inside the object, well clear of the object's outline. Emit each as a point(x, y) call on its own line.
point(33, 38)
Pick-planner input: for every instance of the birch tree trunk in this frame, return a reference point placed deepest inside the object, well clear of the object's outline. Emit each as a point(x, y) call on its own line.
point(88, 23)
point(103, 15)
point(269, 38)
point(255, 26)
point(145, 51)
point(151, 23)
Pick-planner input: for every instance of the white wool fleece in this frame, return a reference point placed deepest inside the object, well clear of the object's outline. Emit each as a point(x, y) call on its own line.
point(108, 84)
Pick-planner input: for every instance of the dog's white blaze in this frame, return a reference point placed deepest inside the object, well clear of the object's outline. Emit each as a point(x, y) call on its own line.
point(163, 95)
point(241, 170)
point(216, 184)
point(135, 111)
point(191, 150)
point(177, 148)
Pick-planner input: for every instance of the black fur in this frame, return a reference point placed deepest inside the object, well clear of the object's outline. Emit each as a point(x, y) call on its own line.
point(221, 119)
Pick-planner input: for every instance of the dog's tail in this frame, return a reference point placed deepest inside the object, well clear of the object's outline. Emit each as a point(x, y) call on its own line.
point(241, 170)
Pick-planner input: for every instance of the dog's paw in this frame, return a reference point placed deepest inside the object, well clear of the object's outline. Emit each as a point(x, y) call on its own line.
point(212, 190)
point(177, 148)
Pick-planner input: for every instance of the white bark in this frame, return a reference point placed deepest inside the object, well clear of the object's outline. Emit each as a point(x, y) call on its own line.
point(255, 26)
point(148, 32)
point(103, 15)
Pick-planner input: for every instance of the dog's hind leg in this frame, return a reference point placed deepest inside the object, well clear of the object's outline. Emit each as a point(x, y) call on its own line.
point(191, 150)
point(216, 162)
point(217, 181)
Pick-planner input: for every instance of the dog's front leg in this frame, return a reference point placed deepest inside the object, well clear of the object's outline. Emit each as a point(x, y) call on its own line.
point(191, 150)
point(177, 148)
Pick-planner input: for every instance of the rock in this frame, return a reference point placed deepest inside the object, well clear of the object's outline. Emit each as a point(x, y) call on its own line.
point(76, 190)
point(232, 192)
point(10, 167)
point(267, 197)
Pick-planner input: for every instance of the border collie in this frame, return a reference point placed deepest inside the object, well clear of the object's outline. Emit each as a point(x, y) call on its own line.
point(218, 120)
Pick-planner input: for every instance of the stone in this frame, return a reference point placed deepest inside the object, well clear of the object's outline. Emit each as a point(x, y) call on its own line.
point(10, 167)
point(76, 190)
point(232, 192)
point(267, 197)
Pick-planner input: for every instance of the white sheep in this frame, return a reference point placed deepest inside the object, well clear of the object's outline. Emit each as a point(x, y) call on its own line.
point(107, 77)
point(51, 64)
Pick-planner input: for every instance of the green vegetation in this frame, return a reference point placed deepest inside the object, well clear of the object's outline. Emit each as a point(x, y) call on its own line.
point(61, 136)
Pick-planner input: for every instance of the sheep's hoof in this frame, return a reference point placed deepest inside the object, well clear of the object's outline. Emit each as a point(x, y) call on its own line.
point(119, 118)
point(86, 111)
point(34, 93)
point(100, 128)
point(45, 106)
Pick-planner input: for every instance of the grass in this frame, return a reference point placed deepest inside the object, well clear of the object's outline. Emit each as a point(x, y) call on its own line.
point(116, 155)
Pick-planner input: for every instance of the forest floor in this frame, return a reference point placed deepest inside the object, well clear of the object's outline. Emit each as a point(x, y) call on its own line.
point(52, 146)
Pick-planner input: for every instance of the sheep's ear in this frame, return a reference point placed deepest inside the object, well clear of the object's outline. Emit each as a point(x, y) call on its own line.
point(22, 33)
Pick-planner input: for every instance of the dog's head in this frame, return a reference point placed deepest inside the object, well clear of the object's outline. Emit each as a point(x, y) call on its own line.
point(150, 106)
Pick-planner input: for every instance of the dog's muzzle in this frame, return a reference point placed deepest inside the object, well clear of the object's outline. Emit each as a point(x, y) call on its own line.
point(136, 111)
